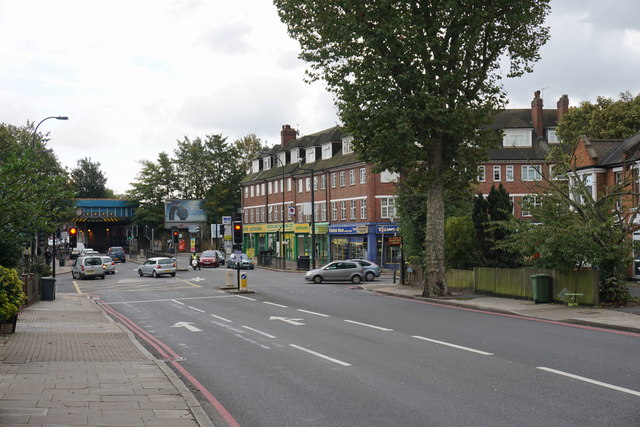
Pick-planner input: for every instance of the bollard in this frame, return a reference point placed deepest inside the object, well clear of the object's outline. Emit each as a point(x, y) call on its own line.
point(243, 282)
point(230, 279)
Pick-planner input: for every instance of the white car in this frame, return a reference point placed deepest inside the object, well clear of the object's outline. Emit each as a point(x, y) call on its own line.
point(89, 266)
point(108, 265)
point(157, 266)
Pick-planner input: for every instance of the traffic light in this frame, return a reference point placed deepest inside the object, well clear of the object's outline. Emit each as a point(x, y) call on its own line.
point(237, 233)
point(175, 235)
point(73, 237)
point(222, 230)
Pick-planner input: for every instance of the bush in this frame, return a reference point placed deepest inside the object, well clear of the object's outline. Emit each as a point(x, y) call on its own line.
point(12, 296)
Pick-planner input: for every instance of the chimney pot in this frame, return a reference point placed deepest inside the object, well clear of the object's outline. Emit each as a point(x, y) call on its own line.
point(287, 134)
point(537, 117)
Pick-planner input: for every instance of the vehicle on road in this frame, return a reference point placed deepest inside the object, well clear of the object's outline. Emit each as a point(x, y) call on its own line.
point(108, 265)
point(337, 271)
point(75, 252)
point(87, 266)
point(88, 251)
point(240, 261)
point(371, 270)
point(210, 259)
point(221, 256)
point(117, 253)
point(157, 266)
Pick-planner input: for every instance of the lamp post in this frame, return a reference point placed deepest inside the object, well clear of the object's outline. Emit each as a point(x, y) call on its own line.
point(313, 218)
point(35, 239)
point(284, 262)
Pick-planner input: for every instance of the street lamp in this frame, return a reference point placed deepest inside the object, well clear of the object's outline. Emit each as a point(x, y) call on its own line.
point(284, 262)
point(35, 239)
point(313, 217)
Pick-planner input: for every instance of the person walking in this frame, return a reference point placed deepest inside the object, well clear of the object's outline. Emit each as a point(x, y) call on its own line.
point(47, 255)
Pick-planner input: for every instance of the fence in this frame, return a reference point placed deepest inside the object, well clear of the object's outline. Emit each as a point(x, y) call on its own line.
point(516, 282)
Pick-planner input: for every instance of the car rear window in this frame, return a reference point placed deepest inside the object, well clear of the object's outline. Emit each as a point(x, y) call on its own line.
point(93, 261)
point(208, 253)
point(165, 261)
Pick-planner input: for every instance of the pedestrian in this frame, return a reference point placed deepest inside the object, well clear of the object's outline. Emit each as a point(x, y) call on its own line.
point(47, 255)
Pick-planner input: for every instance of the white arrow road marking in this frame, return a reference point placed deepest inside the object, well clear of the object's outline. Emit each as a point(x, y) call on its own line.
point(296, 322)
point(187, 325)
point(588, 380)
point(331, 359)
point(198, 279)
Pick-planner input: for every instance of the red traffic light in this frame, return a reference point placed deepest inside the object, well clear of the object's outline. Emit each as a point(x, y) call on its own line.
point(175, 233)
point(237, 227)
point(73, 231)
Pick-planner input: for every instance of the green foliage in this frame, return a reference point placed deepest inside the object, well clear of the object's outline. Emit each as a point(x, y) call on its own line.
point(12, 296)
point(88, 180)
point(461, 246)
point(606, 119)
point(415, 83)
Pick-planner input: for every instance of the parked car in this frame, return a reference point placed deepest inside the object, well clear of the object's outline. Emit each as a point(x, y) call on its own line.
point(209, 259)
point(89, 266)
point(221, 256)
point(371, 270)
point(117, 253)
point(108, 265)
point(241, 261)
point(157, 266)
point(337, 271)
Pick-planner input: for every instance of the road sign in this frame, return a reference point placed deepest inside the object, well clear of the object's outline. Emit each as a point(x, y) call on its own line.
point(226, 220)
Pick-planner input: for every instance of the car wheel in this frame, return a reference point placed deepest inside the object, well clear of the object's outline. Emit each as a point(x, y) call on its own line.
point(252, 267)
point(102, 277)
point(356, 279)
point(317, 279)
point(140, 273)
point(370, 276)
point(173, 274)
point(154, 274)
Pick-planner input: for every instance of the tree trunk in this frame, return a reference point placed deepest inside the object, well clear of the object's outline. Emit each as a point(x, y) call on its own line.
point(434, 237)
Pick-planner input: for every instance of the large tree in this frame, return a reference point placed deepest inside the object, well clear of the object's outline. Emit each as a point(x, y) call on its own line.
point(88, 180)
point(415, 82)
point(605, 119)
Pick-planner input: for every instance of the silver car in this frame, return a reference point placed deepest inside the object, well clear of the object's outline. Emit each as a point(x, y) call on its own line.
point(89, 266)
point(371, 270)
point(157, 266)
point(108, 265)
point(240, 261)
point(337, 271)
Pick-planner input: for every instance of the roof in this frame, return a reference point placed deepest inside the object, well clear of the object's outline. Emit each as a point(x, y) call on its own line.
point(521, 118)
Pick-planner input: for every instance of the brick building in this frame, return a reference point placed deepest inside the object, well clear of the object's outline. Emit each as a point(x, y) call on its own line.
point(354, 207)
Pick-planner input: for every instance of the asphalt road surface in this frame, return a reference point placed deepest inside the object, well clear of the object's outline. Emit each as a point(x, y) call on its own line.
point(300, 354)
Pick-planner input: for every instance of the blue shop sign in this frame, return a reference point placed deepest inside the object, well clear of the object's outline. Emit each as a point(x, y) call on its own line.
point(348, 229)
point(384, 229)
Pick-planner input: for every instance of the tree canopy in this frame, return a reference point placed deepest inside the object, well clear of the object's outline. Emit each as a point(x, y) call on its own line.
point(89, 181)
point(415, 83)
point(604, 119)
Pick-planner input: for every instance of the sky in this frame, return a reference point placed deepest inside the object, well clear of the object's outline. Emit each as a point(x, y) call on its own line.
point(135, 77)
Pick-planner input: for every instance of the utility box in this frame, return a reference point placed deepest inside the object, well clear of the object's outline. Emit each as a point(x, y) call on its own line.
point(47, 288)
point(542, 289)
point(303, 262)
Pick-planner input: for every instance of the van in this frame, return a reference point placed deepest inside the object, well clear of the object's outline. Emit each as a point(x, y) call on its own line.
point(87, 266)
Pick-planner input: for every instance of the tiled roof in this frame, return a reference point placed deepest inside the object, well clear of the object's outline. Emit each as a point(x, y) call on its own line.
point(521, 118)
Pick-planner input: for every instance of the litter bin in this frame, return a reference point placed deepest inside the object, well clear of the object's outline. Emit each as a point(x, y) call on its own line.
point(47, 288)
point(303, 262)
point(541, 285)
point(61, 262)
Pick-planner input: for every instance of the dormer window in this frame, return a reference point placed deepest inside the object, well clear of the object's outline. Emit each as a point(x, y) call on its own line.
point(516, 138)
point(267, 163)
point(326, 151)
point(311, 154)
point(294, 155)
point(346, 145)
point(255, 166)
point(552, 137)
point(283, 158)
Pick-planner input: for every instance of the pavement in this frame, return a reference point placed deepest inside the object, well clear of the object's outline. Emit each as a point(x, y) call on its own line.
point(70, 364)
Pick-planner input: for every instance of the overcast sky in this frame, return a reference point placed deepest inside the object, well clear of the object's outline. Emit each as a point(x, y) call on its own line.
point(136, 76)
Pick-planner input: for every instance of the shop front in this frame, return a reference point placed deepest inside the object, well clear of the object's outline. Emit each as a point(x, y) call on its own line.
point(353, 241)
point(388, 246)
point(304, 242)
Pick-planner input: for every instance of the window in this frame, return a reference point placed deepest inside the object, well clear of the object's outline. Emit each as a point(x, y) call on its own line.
point(270, 216)
point(481, 174)
point(315, 183)
point(343, 210)
point(333, 180)
point(352, 209)
point(346, 145)
point(300, 213)
point(529, 202)
point(267, 163)
point(262, 189)
point(551, 136)
point(275, 187)
point(262, 210)
point(509, 173)
point(288, 184)
point(386, 176)
point(311, 154)
point(246, 192)
point(255, 166)
point(323, 211)
point(363, 175)
point(342, 179)
point(253, 187)
point(307, 182)
point(352, 177)
point(363, 209)
point(294, 155)
point(269, 187)
point(275, 213)
point(334, 211)
point(388, 207)
point(531, 173)
point(326, 151)
point(252, 215)
point(496, 173)
point(517, 138)
point(618, 177)
point(299, 185)
point(323, 182)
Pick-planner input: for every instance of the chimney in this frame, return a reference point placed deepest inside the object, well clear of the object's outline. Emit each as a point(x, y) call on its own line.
point(287, 134)
point(563, 106)
point(537, 118)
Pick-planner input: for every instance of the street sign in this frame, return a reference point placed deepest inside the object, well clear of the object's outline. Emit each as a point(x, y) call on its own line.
point(292, 210)
point(226, 220)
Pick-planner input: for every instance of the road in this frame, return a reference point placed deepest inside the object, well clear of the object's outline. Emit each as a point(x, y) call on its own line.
point(301, 354)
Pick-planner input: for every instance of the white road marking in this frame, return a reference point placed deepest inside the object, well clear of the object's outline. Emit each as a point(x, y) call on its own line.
point(273, 303)
point(221, 318)
point(196, 309)
point(177, 302)
point(368, 326)
point(587, 380)
point(484, 353)
point(240, 296)
point(296, 322)
point(167, 299)
point(331, 359)
point(313, 312)
point(187, 325)
point(259, 332)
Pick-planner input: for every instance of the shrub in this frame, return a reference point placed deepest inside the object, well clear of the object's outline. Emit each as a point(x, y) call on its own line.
point(12, 296)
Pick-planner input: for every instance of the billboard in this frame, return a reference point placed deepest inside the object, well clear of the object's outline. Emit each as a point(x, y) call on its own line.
point(180, 211)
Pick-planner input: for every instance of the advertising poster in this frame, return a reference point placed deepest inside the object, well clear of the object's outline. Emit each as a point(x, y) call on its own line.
point(180, 211)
